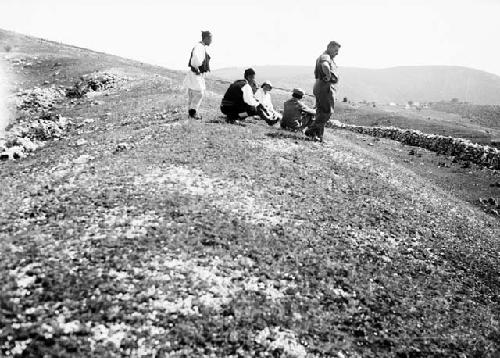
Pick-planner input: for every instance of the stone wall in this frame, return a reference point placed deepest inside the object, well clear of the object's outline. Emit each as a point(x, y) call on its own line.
point(461, 149)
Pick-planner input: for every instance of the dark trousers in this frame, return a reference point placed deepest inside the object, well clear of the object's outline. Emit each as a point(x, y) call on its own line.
point(232, 111)
point(307, 120)
point(325, 101)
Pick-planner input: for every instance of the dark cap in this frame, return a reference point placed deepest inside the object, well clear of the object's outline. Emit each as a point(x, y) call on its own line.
point(298, 92)
point(205, 34)
point(249, 72)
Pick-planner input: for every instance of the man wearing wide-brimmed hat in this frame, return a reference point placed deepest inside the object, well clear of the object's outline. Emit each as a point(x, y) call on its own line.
point(199, 65)
point(327, 77)
point(296, 114)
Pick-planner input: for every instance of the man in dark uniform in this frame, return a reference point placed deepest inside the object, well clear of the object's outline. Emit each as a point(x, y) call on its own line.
point(327, 78)
point(296, 114)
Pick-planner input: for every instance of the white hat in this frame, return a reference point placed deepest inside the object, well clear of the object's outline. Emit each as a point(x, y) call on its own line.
point(267, 83)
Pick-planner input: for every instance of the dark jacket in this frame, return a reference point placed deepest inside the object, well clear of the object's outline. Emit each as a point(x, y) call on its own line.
point(293, 111)
point(234, 94)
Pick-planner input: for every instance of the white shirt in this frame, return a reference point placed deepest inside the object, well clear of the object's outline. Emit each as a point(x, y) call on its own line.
point(199, 51)
point(193, 81)
point(264, 98)
point(248, 96)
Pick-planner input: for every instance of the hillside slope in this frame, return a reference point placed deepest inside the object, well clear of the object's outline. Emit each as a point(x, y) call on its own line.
point(397, 84)
point(162, 236)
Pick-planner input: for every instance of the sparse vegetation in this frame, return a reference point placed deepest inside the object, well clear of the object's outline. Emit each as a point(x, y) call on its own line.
point(142, 233)
point(486, 115)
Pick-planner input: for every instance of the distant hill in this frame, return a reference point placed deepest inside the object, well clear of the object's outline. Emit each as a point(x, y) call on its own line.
point(396, 84)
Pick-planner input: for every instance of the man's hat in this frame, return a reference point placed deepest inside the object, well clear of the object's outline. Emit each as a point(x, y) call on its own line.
point(205, 34)
point(267, 83)
point(298, 92)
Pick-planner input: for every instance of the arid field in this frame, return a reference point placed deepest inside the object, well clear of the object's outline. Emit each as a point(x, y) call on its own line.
point(130, 230)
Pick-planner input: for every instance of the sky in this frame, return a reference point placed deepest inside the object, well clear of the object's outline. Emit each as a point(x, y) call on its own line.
point(4, 112)
point(373, 33)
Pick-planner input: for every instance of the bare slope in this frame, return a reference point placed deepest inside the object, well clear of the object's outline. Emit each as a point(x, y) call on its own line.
point(397, 84)
point(204, 239)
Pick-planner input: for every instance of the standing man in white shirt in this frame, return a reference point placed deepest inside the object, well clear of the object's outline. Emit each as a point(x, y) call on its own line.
point(199, 64)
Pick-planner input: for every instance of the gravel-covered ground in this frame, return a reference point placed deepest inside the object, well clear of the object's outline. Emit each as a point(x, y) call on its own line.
point(161, 236)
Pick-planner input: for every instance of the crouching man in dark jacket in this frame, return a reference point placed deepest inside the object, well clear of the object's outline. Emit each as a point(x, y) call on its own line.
point(296, 114)
point(239, 101)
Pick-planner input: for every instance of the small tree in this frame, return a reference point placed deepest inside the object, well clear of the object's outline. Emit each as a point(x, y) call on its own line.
point(7, 48)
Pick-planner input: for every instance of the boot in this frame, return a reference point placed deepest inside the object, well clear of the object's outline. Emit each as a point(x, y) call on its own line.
point(193, 114)
point(272, 122)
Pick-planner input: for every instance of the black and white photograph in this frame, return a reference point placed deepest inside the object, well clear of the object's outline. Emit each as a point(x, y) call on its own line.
point(239, 179)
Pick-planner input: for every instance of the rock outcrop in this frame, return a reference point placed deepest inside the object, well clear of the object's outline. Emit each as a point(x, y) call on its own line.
point(94, 82)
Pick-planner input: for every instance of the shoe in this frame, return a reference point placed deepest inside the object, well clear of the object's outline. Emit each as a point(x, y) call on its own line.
point(192, 114)
point(313, 137)
point(231, 119)
point(309, 135)
point(272, 122)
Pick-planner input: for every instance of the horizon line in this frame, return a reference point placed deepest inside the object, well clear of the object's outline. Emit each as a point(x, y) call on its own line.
point(155, 63)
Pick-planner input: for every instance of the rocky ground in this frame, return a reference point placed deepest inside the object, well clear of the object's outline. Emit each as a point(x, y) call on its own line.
point(139, 232)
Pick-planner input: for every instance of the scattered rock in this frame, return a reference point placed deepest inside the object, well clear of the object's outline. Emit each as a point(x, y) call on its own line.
point(279, 339)
point(12, 153)
point(83, 159)
point(38, 99)
point(94, 82)
point(246, 262)
point(27, 144)
point(120, 147)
